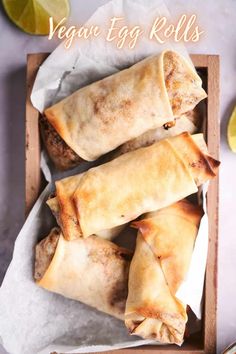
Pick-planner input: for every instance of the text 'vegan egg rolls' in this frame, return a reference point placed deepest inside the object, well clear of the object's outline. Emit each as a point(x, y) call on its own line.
point(102, 116)
point(135, 183)
point(93, 271)
point(160, 264)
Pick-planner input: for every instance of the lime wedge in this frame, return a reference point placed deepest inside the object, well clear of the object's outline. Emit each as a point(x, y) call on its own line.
point(231, 131)
point(32, 16)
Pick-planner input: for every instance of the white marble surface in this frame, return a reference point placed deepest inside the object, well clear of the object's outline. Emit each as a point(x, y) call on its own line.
point(218, 19)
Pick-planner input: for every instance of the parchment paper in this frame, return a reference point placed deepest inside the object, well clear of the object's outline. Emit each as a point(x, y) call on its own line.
point(33, 320)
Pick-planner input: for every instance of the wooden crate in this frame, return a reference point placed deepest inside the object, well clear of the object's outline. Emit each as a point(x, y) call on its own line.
point(205, 341)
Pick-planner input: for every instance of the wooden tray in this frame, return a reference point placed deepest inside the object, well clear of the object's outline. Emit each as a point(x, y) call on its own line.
point(205, 341)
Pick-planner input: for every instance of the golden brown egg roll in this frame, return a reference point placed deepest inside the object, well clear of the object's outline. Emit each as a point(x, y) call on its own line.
point(100, 117)
point(160, 263)
point(135, 183)
point(93, 271)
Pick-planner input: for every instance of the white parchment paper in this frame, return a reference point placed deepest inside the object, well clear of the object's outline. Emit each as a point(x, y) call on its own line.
point(33, 320)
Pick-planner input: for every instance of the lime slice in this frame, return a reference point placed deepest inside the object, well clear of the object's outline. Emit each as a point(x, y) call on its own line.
point(32, 16)
point(231, 131)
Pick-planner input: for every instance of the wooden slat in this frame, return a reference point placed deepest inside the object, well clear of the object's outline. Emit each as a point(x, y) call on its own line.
point(156, 349)
point(199, 61)
point(32, 138)
point(206, 345)
point(213, 141)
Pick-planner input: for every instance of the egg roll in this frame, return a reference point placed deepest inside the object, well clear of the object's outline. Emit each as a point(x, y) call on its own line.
point(100, 117)
point(93, 271)
point(135, 183)
point(161, 260)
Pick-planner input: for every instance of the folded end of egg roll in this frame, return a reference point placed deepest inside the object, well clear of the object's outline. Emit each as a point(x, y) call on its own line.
point(72, 227)
point(194, 151)
point(61, 154)
point(183, 84)
point(44, 253)
point(200, 142)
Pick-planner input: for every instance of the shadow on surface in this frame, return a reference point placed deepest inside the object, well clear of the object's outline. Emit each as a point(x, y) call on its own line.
point(13, 121)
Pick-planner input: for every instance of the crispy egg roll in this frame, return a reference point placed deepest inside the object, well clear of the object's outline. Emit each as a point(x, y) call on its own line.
point(100, 117)
point(160, 264)
point(93, 271)
point(135, 183)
